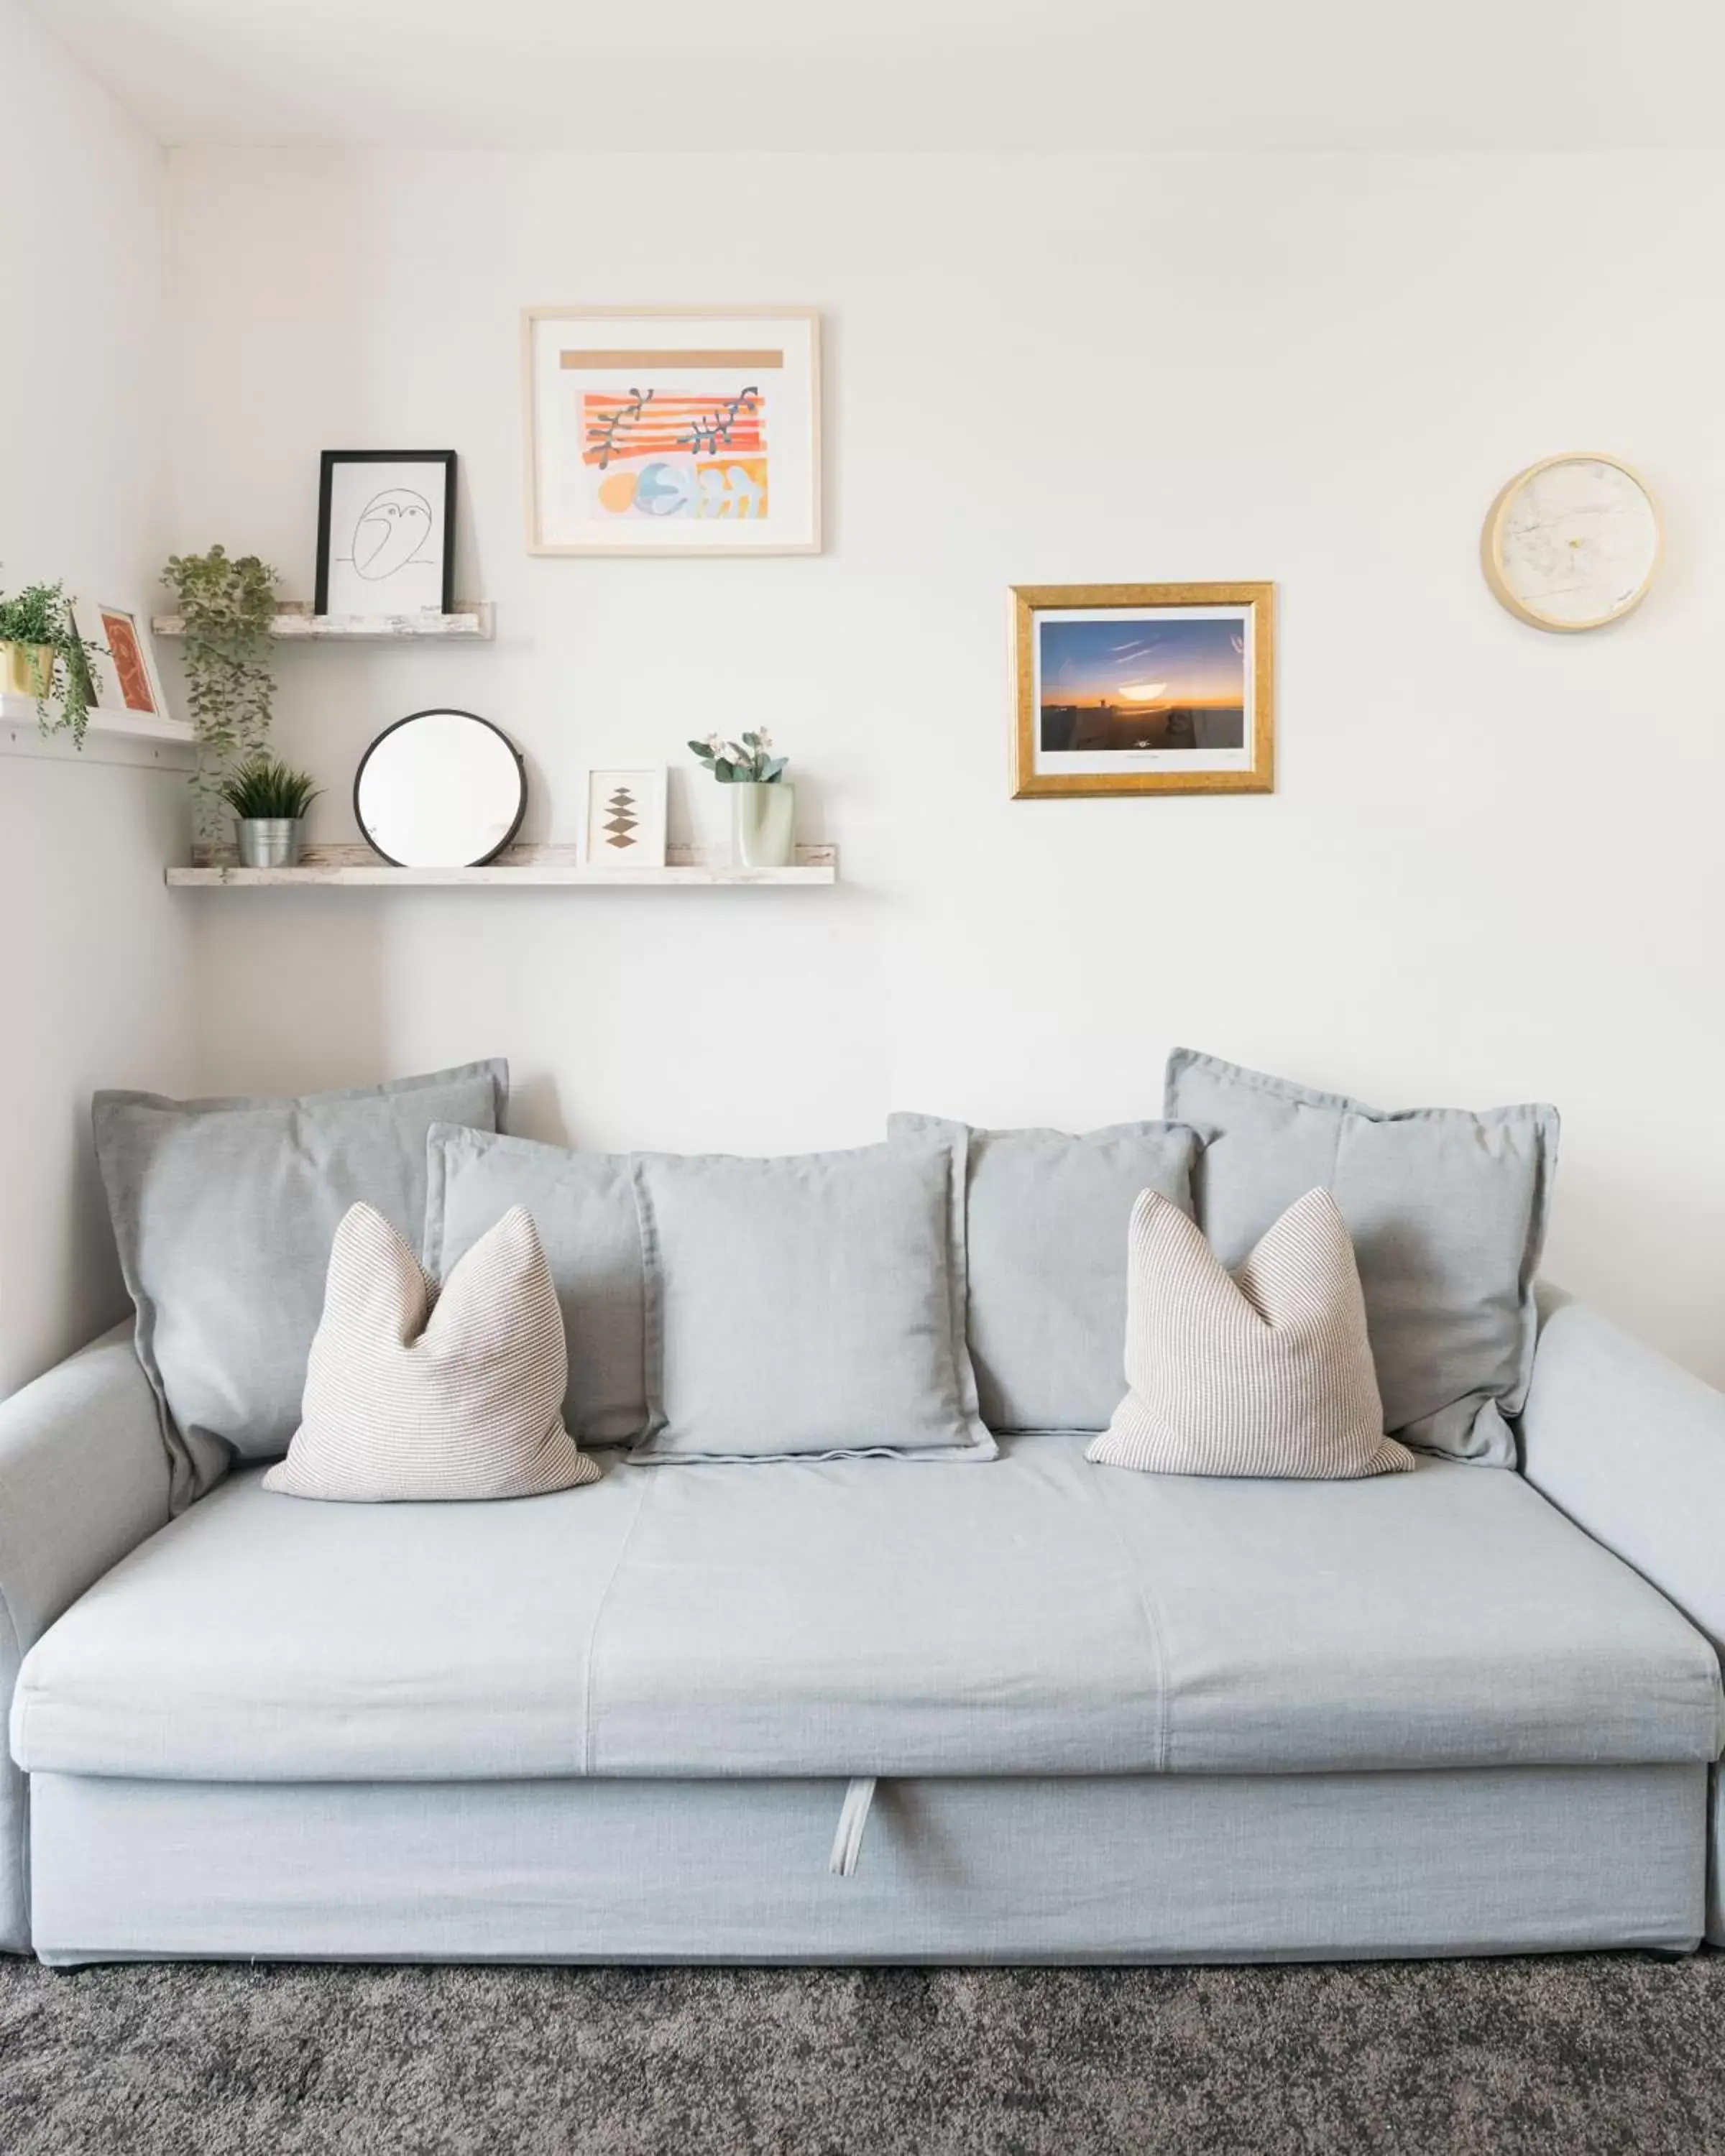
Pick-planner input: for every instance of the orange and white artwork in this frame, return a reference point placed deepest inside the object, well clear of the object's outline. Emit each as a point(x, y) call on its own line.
point(673, 433)
point(120, 632)
point(694, 455)
point(122, 669)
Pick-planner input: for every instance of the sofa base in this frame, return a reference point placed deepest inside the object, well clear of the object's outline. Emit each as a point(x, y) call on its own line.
point(1715, 1858)
point(1168, 1868)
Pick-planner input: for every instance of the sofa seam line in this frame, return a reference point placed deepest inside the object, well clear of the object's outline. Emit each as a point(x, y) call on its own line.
point(1147, 1609)
point(23, 1853)
point(656, 1420)
point(598, 1617)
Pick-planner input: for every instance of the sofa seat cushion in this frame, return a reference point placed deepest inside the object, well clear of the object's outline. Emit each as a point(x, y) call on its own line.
point(860, 1616)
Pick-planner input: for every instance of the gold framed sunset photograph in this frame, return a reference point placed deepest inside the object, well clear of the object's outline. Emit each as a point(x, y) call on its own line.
point(1143, 688)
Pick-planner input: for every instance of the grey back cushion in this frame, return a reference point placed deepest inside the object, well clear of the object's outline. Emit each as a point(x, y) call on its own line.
point(583, 1205)
point(1447, 1210)
point(811, 1305)
point(225, 1211)
point(1046, 1251)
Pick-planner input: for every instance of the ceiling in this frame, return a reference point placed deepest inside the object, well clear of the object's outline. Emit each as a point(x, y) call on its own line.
point(979, 75)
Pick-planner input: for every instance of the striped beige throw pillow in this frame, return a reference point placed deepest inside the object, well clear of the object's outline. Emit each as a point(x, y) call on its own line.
point(1264, 1371)
point(412, 1393)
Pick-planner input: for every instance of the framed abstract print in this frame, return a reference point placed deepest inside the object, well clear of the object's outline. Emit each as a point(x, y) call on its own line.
point(673, 431)
point(123, 674)
point(1143, 688)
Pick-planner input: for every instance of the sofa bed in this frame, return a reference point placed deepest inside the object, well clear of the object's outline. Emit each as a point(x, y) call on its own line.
point(986, 1703)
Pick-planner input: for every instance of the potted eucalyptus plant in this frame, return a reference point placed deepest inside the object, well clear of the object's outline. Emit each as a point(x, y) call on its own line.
point(269, 799)
point(763, 804)
point(227, 605)
point(42, 656)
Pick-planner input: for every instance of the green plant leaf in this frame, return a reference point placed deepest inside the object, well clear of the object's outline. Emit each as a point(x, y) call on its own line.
point(262, 786)
point(40, 615)
point(228, 604)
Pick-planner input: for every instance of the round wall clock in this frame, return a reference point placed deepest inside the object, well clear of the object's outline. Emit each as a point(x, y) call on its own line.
point(1572, 542)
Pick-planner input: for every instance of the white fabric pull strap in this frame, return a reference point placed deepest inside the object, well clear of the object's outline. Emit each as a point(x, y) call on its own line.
point(853, 1818)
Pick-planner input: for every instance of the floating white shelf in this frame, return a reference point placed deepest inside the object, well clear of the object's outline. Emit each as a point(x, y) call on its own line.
point(519, 867)
point(110, 737)
point(473, 622)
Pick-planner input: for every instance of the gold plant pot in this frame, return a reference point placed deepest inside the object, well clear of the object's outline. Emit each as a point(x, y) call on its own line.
point(26, 669)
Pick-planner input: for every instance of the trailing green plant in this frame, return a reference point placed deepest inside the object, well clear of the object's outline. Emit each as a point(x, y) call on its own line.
point(227, 602)
point(262, 787)
point(40, 616)
point(748, 762)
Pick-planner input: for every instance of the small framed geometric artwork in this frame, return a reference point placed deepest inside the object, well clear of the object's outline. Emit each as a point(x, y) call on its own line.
point(1143, 688)
point(625, 820)
point(673, 430)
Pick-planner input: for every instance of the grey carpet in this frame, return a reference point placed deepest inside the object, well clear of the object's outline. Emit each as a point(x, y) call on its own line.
point(1604, 2053)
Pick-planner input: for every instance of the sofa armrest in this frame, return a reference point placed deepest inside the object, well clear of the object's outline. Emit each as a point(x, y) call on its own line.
point(84, 1478)
point(1633, 1450)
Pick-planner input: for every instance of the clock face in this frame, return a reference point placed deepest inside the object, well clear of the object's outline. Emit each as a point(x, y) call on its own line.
point(1572, 543)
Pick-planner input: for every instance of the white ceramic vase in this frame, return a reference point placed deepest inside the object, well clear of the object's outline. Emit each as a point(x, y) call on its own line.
point(763, 823)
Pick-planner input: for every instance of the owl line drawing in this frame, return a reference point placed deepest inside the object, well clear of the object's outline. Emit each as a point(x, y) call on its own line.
point(389, 533)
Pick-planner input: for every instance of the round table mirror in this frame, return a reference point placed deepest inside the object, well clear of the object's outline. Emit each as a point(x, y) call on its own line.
point(440, 790)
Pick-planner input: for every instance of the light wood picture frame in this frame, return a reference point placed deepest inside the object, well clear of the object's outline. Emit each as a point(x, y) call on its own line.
point(672, 430)
point(625, 826)
point(1143, 689)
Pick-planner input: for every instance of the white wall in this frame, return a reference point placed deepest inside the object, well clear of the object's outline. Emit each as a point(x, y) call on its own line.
point(94, 956)
point(1493, 869)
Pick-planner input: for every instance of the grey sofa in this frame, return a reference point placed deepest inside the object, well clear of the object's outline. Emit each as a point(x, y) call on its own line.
point(1112, 1717)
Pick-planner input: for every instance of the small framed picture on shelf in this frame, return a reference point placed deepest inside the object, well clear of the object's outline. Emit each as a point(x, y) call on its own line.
point(123, 674)
point(386, 524)
point(1143, 688)
point(625, 820)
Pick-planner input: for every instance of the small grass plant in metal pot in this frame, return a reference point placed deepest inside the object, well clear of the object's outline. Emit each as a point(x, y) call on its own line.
point(270, 799)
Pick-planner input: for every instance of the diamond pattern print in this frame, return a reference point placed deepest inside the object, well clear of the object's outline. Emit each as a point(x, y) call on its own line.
point(622, 821)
